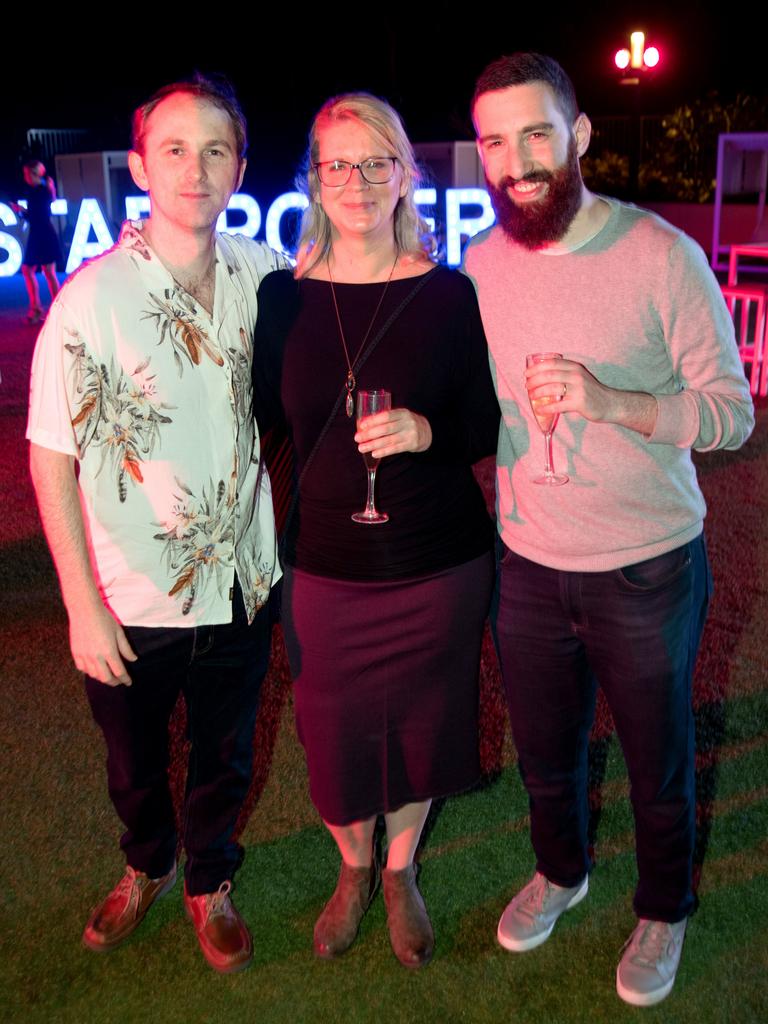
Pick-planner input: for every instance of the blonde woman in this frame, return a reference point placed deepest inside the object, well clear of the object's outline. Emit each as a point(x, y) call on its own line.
point(383, 622)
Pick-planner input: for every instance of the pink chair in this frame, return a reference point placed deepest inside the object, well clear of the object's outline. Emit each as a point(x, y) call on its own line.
point(752, 344)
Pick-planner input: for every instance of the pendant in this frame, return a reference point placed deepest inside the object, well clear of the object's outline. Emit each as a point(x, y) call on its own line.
point(350, 384)
point(350, 404)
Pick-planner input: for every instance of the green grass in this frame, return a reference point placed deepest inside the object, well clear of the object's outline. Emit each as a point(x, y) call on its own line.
point(59, 854)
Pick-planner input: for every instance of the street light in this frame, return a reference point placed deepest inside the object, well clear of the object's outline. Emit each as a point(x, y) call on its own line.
point(634, 64)
point(636, 60)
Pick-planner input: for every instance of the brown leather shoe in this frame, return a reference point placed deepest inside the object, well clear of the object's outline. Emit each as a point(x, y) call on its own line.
point(336, 928)
point(124, 909)
point(222, 933)
point(410, 930)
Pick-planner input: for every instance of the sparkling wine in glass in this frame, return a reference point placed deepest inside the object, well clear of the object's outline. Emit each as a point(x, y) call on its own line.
point(545, 411)
point(368, 403)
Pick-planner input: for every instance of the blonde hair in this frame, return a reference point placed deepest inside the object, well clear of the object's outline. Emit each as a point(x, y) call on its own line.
point(412, 234)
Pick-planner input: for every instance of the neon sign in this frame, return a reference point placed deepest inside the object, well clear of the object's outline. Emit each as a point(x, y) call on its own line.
point(9, 244)
point(92, 234)
point(90, 219)
point(456, 225)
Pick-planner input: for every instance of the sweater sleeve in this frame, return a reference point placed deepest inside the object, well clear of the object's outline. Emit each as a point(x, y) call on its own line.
point(712, 408)
point(471, 430)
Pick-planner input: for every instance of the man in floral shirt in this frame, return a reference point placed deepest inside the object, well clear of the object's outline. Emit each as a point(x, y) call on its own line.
point(164, 541)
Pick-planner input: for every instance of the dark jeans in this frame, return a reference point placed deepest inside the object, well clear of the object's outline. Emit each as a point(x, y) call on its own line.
point(219, 669)
point(635, 631)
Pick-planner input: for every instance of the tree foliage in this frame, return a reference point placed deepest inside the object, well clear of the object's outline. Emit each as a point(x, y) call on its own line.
point(681, 162)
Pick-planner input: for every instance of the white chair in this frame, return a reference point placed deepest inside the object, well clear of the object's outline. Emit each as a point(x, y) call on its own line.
point(740, 298)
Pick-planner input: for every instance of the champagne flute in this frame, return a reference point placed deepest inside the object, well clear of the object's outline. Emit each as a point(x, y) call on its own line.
point(544, 410)
point(368, 403)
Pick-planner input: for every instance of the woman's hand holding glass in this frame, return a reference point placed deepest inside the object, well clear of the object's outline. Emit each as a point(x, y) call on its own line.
point(392, 432)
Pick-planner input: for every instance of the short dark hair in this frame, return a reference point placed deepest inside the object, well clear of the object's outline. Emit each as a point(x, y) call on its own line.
point(523, 68)
point(217, 91)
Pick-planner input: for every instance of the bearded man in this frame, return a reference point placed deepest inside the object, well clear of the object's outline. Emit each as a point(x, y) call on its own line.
point(603, 575)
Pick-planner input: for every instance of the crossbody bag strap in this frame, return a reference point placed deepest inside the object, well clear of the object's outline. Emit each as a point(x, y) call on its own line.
point(420, 282)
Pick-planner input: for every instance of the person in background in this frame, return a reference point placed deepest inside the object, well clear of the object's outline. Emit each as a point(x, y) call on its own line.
point(383, 622)
point(42, 250)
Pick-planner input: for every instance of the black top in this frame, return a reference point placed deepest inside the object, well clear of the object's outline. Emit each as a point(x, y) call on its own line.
point(43, 242)
point(434, 360)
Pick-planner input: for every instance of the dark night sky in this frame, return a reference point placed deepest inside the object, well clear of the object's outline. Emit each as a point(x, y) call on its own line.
point(426, 68)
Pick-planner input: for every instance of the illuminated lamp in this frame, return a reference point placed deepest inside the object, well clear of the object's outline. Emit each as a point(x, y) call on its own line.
point(637, 59)
point(636, 47)
point(651, 57)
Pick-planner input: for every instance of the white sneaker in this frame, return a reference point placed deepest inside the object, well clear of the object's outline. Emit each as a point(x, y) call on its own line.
point(646, 972)
point(530, 917)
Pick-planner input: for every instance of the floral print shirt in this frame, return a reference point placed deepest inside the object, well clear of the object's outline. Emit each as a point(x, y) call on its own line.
point(152, 396)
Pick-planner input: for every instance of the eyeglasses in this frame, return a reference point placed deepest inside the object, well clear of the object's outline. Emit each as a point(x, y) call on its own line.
point(376, 170)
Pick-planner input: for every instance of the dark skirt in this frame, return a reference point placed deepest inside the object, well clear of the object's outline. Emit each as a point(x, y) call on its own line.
point(386, 685)
point(42, 246)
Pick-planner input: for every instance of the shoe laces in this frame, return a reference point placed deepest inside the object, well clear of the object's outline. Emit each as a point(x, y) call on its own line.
point(127, 882)
point(218, 904)
point(652, 943)
point(131, 885)
point(538, 892)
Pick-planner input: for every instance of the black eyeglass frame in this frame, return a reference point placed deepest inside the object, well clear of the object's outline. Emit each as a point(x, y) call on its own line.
point(355, 167)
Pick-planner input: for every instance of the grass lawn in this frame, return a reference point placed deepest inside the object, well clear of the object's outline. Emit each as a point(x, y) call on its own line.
point(59, 854)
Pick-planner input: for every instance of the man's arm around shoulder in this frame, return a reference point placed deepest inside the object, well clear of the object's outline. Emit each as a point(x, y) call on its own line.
point(260, 259)
point(97, 640)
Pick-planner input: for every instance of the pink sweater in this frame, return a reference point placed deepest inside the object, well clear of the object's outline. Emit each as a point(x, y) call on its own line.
point(640, 308)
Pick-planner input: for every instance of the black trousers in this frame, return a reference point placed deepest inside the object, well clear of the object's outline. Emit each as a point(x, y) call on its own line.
point(219, 670)
point(636, 632)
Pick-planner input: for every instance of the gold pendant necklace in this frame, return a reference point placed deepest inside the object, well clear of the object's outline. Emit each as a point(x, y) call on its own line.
point(350, 383)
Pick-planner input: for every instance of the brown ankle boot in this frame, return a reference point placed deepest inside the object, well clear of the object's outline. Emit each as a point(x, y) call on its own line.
point(410, 930)
point(337, 926)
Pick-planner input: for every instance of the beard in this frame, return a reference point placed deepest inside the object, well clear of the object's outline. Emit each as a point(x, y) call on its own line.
point(546, 220)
